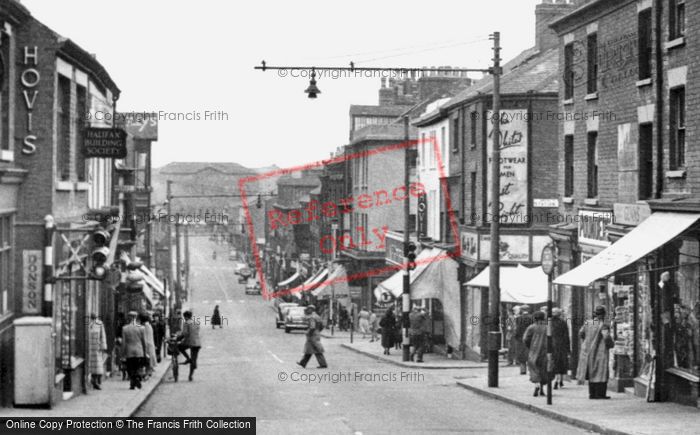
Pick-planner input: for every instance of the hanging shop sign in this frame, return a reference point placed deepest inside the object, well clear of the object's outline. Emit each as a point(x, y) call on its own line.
point(422, 216)
point(30, 78)
point(513, 166)
point(32, 281)
point(104, 143)
point(394, 249)
point(548, 260)
point(593, 227)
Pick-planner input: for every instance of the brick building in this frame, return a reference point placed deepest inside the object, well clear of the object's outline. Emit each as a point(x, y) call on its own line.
point(628, 182)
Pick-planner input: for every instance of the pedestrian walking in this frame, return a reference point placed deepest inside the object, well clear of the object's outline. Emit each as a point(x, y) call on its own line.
point(510, 334)
point(216, 318)
point(313, 345)
point(521, 324)
point(189, 339)
point(416, 333)
point(373, 326)
point(134, 349)
point(175, 322)
point(150, 363)
point(344, 318)
point(364, 321)
point(561, 347)
point(535, 339)
point(398, 331)
point(593, 359)
point(97, 350)
point(158, 334)
point(388, 326)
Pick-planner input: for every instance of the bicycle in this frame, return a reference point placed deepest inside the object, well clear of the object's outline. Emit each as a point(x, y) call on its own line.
point(173, 352)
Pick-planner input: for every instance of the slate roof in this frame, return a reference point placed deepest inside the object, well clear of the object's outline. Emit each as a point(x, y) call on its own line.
point(389, 111)
point(186, 168)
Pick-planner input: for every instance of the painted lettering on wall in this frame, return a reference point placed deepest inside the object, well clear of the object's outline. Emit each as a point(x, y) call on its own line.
point(32, 281)
point(617, 61)
point(30, 78)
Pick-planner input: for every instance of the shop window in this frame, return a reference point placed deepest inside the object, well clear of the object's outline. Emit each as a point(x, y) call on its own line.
point(686, 309)
point(677, 128)
point(676, 19)
point(592, 49)
point(644, 44)
point(5, 263)
point(569, 71)
point(79, 128)
point(568, 166)
point(646, 161)
point(592, 165)
point(63, 134)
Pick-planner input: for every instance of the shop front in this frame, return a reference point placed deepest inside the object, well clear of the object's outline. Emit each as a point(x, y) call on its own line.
point(648, 280)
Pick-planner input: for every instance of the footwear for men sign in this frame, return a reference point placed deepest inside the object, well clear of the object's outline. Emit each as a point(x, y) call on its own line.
point(104, 143)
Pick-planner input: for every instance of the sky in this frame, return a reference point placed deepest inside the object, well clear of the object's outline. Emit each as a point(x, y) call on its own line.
point(190, 57)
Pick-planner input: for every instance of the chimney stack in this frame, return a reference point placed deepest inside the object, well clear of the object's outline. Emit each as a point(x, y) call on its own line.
point(545, 13)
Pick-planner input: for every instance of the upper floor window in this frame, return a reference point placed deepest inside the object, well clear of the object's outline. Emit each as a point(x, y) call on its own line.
point(422, 157)
point(473, 118)
point(644, 44)
point(63, 147)
point(676, 19)
point(593, 165)
point(568, 166)
point(443, 143)
point(592, 50)
point(569, 71)
point(79, 122)
point(646, 161)
point(455, 135)
point(677, 128)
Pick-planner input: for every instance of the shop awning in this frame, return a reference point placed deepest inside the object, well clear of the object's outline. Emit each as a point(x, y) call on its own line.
point(518, 284)
point(152, 281)
point(657, 230)
point(394, 284)
point(315, 280)
point(336, 284)
point(289, 280)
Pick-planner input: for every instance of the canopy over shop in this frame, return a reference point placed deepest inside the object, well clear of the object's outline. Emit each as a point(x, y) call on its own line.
point(519, 284)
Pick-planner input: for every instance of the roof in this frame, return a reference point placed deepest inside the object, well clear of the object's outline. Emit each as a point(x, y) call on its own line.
point(185, 168)
point(382, 132)
point(389, 111)
point(308, 180)
point(584, 8)
point(530, 71)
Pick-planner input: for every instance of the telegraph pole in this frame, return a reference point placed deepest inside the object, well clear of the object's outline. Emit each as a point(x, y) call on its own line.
point(187, 256)
point(178, 259)
point(406, 296)
point(169, 238)
point(494, 341)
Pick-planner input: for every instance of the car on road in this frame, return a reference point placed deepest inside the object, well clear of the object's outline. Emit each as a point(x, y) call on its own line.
point(295, 319)
point(232, 255)
point(282, 309)
point(252, 287)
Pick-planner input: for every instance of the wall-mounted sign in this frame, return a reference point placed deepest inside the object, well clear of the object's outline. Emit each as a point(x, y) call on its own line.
point(104, 142)
point(513, 160)
point(538, 244)
point(548, 261)
point(631, 214)
point(593, 227)
point(32, 281)
point(141, 125)
point(545, 203)
point(394, 249)
point(30, 78)
point(511, 248)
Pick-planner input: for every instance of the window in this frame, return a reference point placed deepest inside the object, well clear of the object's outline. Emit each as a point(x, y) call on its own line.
point(677, 130)
point(455, 135)
point(472, 198)
point(676, 19)
point(592, 49)
point(79, 122)
point(646, 161)
point(6, 260)
point(592, 165)
point(568, 166)
point(645, 44)
point(443, 142)
point(63, 146)
point(423, 157)
point(473, 122)
point(431, 152)
point(569, 71)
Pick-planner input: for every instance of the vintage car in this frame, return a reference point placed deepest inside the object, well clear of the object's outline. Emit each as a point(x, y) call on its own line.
point(282, 312)
point(295, 319)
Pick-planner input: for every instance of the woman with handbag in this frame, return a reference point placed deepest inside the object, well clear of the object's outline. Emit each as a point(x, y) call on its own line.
point(388, 328)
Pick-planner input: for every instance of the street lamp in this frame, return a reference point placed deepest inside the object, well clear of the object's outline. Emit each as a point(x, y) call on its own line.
point(313, 90)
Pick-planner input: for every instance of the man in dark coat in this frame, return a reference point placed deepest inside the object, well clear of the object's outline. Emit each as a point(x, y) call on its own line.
point(313, 344)
point(134, 349)
point(158, 333)
point(521, 324)
point(417, 332)
point(388, 325)
point(535, 339)
point(594, 357)
point(561, 347)
point(189, 339)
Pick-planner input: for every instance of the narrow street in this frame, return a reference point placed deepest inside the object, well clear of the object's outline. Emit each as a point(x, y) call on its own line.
point(240, 368)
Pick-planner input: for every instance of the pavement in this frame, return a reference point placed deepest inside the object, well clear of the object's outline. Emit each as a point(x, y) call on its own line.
point(115, 399)
point(624, 413)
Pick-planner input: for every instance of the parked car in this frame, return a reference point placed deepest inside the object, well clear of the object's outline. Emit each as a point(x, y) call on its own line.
point(252, 287)
point(238, 267)
point(232, 255)
point(282, 309)
point(295, 319)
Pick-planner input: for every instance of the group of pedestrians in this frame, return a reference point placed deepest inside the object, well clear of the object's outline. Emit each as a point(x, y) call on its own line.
point(138, 347)
point(391, 328)
point(527, 335)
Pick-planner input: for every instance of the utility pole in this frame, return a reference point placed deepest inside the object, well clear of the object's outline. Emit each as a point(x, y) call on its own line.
point(187, 256)
point(169, 239)
point(494, 341)
point(178, 260)
point(406, 296)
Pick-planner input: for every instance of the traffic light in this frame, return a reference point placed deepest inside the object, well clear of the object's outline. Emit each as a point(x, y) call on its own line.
point(259, 203)
point(100, 252)
point(410, 254)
